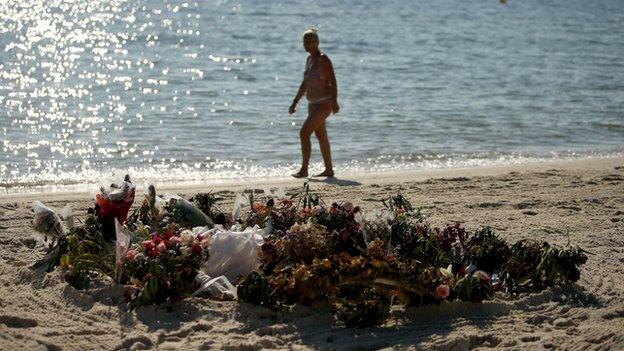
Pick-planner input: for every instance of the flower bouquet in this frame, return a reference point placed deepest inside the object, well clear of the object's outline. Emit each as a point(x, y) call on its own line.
point(82, 252)
point(163, 267)
point(113, 201)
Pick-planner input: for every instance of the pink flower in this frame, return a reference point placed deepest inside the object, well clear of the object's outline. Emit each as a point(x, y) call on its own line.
point(286, 202)
point(443, 291)
point(161, 247)
point(130, 255)
point(175, 240)
point(205, 244)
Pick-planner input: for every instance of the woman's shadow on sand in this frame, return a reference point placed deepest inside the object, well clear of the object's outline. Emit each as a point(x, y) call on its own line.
point(335, 181)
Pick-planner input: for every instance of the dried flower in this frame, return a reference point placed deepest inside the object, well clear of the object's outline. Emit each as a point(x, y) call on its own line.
point(286, 202)
point(482, 276)
point(316, 210)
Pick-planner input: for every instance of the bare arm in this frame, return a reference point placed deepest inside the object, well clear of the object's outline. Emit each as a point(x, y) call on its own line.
point(300, 92)
point(332, 81)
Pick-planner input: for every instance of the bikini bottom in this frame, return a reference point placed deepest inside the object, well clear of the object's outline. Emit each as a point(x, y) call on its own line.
point(320, 100)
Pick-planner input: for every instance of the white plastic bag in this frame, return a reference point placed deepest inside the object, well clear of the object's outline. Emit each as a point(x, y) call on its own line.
point(239, 202)
point(219, 287)
point(122, 244)
point(47, 222)
point(234, 254)
point(68, 216)
point(117, 188)
point(278, 194)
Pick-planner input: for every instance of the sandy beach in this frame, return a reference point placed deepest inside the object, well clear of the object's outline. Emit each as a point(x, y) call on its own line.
point(581, 202)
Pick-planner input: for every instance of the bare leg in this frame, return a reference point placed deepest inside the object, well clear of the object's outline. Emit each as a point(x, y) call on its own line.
point(317, 114)
point(321, 135)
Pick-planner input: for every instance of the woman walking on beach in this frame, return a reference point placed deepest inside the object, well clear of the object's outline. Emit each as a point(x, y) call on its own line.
point(319, 86)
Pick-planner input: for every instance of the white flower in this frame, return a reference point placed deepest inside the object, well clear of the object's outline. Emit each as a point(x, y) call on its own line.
point(316, 210)
point(186, 250)
point(187, 237)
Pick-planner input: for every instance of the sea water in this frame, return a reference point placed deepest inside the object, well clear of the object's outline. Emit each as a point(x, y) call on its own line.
point(198, 91)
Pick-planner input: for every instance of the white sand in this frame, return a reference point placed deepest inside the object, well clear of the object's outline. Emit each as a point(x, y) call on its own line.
point(580, 201)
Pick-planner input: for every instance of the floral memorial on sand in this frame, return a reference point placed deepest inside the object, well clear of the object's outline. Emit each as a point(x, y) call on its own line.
point(281, 251)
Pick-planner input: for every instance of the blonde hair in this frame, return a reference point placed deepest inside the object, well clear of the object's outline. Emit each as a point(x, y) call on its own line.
point(311, 32)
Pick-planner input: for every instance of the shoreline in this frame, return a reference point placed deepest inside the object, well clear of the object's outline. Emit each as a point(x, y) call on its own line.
point(347, 179)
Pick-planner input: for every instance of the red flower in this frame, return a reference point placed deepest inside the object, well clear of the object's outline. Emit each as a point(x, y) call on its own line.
point(168, 234)
point(148, 244)
point(196, 249)
point(153, 253)
point(109, 210)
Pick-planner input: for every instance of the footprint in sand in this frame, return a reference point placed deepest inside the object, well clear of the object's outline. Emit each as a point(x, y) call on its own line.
point(530, 338)
point(17, 322)
point(140, 342)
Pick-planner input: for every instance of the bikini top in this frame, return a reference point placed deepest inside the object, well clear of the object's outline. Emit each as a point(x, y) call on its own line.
point(311, 72)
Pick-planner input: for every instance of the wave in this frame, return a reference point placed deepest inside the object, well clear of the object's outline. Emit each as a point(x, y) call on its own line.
point(183, 174)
